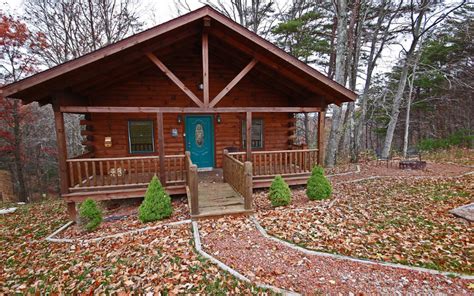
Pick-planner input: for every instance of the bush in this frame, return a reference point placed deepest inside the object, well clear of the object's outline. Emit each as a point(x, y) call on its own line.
point(461, 138)
point(157, 203)
point(280, 194)
point(90, 214)
point(318, 186)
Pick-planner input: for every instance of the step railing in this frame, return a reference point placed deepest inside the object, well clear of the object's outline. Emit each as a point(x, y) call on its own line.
point(239, 175)
point(192, 183)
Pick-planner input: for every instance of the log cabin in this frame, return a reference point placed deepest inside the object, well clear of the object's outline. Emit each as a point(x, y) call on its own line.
point(196, 93)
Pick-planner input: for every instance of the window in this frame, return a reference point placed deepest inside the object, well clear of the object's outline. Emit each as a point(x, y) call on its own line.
point(140, 136)
point(257, 133)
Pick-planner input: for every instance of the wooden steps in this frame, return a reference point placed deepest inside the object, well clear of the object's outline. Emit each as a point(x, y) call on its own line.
point(219, 199)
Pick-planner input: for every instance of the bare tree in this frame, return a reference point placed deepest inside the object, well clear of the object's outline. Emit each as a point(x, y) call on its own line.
point(75, 27)
point(340, 77)
point(381, 34)
point(422, 20)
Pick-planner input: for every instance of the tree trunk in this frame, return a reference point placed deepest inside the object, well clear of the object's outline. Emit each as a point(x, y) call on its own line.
point(306, 129)
point(407, 119)
point(341, 52)
point(17, 153)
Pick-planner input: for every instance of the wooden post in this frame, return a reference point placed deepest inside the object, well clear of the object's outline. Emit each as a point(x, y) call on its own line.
point(62, 160)
point(193, 189)
point(161, 147)
point(248, 185)
point(321, 121)
point(248, 135)
point(205, 67)
point(224, 168)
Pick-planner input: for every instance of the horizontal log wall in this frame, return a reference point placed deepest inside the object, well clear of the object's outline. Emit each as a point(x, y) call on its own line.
point(227, 133)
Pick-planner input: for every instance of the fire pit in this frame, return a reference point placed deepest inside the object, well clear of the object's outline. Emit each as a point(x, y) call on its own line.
point(412, 165)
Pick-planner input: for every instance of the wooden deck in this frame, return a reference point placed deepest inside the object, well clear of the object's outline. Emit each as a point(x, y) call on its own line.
point(217, 199)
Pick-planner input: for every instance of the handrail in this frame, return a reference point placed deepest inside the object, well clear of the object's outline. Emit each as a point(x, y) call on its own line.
point(76, 159)
point(239, 175)
point(192, 183)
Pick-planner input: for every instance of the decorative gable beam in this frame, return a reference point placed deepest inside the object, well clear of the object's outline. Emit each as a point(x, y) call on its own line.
point(175, 79)
point(234, 81)
point(205, 67)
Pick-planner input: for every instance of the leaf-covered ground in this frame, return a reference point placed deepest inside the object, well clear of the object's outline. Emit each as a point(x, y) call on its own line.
point(236, 242)
point(402, 220)
point(159, 260)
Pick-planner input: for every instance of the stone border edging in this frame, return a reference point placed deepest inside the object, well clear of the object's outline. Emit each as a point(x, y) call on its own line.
point(51, 238)
point(233, 272)
point(413, 177)
point(358, 260)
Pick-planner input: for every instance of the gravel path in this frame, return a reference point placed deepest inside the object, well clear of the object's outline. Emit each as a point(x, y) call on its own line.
point(237, 243)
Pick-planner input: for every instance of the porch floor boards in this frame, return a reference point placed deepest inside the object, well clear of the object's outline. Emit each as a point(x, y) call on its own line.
point(217, 199)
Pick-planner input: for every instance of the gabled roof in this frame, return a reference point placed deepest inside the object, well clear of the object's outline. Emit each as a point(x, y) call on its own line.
point(35, 87)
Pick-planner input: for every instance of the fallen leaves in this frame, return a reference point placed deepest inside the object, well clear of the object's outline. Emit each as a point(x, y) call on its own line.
point(400, 220)
point(159, 260)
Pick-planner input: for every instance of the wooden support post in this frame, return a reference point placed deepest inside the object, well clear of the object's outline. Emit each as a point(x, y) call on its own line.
point(62, 159)
point(205, 67)
point(193, 188)
point(248, 185)
point(224, 169)
point(161, 147)
point(248, 136)
point(321, 121)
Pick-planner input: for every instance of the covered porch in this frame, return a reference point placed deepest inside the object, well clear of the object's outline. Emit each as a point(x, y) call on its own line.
point(106, 178)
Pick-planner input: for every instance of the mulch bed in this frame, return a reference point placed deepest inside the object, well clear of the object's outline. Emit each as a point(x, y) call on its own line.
point(237, 243)
point(125, 218)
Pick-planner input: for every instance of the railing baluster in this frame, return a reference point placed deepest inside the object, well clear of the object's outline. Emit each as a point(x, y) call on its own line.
point(101, 172)
point(79, 173)
point(109, 178)
point(71, 174)
point(88, 180)
point(93, 174)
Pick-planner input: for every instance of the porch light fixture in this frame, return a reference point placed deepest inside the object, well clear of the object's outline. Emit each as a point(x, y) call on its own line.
point(108, 142)
point(219, 119)
point(180, 119)
point(201, 86)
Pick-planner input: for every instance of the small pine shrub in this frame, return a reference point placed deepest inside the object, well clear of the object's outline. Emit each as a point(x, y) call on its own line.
point(280, 193)
point(157, 203)
point(318, 186)
point(90, 214)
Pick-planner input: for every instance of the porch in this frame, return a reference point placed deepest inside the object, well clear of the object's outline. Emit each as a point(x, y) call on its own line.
point(128, 177)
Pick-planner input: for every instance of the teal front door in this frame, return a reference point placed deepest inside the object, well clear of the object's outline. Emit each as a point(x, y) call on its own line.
point(200, 139)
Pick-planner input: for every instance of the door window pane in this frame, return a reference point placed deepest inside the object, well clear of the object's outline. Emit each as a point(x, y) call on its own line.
point(257, 133)
point(140, 135)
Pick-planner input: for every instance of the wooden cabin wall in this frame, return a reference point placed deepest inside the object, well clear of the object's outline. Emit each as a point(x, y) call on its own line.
point(228, 133)
point(151, 87)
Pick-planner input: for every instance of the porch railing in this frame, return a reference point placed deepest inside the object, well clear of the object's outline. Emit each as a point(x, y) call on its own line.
point(239, 175)
point(192, 183)
point(280, 162)
point(91, 173)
